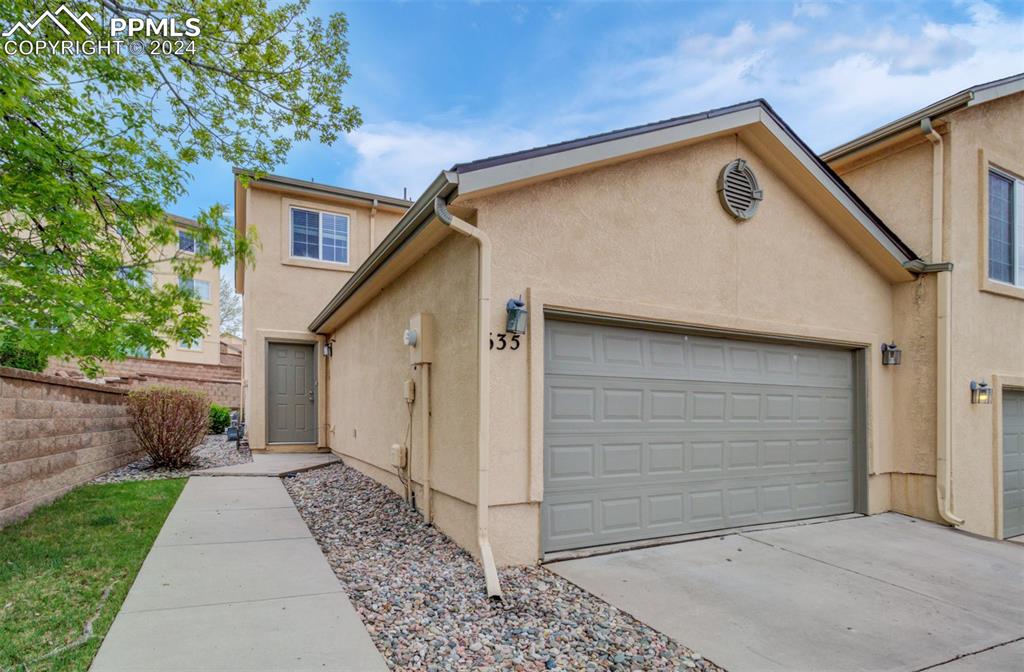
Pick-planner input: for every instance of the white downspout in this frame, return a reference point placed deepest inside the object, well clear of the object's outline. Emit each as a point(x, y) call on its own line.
point(425, 423)
point(943, 329)
point(483, 440)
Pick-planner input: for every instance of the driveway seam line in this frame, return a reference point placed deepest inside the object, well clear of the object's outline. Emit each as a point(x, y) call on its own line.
point(866, 576)
point(220, 604)
point(968, 655)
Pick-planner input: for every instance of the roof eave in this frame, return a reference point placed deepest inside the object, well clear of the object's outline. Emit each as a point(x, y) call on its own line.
point(293, 185)
point(976, 95)
point(415, 218)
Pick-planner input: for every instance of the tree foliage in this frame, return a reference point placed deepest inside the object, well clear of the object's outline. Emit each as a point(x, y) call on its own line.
point(93, 149)
point(230, 309)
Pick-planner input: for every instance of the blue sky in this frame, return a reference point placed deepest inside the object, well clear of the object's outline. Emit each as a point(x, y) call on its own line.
point(439, 83)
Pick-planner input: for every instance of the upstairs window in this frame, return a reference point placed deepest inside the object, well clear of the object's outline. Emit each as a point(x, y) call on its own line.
point(1005, 229)
point(319, 235)
point(186, 241)
point(201, 288)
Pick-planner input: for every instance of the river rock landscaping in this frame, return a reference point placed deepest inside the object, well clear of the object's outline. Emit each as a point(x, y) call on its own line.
point(214, 451)
point(423, 602)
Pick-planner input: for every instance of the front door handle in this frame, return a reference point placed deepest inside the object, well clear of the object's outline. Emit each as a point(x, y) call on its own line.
point(309, 395)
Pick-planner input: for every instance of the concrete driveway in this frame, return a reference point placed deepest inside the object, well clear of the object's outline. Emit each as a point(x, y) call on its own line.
point(884, 592)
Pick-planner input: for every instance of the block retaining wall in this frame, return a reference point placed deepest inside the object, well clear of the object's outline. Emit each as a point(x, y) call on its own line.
point(56, 433)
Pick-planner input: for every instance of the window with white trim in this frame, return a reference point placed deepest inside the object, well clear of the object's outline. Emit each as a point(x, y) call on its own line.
point(197, 346)
point(201, 288)
point(1005, 228)
point(319, 235)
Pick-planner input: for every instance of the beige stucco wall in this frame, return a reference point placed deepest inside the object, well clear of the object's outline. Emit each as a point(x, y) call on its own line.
point(209, 348)
point(645, 239)
point(282, 295)
point(649, 239)
point(987, 326)
point(367, 410)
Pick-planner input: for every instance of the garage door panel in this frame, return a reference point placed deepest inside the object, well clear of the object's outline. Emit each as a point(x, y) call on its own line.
point(589, 403)
point(582, 349)
point(590, 460)
point(649, 511)
point(1013, 463)
point(653, 434)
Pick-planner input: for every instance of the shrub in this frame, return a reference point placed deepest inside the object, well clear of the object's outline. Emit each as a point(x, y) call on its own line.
point(17, 357)
point(169, 422)
point(220, 418)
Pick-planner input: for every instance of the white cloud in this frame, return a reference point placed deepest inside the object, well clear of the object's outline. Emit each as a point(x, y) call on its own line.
point(830, 86)
point(396, 155)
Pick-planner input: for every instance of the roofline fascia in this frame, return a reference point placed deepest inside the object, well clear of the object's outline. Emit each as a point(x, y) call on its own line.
point(906, 123)
point(838, 188)
point(975, 95)
point(527, 167)
point(417, 216)
point(305, 186)
point(495, 174)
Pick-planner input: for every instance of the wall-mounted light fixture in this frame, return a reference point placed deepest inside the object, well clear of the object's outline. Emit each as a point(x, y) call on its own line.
point(516, 309)
point(891, 355)
point(981, 393)
point(329, 349)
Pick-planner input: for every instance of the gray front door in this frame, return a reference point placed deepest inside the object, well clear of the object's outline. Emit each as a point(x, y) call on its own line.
point(291, 393)
point(650, 434)
point(1013, 463)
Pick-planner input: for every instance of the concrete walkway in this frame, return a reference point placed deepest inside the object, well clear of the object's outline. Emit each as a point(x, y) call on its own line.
point(235, 581)
point(883, 592)
point(273, 464)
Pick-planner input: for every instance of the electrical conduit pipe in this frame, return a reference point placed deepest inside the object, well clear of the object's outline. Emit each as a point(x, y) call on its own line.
point(483, 441)
point(943, 329)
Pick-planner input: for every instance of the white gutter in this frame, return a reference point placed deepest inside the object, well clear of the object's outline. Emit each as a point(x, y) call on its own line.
point(483, 438)
point(943, 330)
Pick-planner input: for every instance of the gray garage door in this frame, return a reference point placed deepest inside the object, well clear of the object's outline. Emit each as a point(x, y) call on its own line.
point(650, 434)
point(1013, 463)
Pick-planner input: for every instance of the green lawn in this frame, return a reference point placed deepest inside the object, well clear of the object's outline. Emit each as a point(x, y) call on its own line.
point(57, 565)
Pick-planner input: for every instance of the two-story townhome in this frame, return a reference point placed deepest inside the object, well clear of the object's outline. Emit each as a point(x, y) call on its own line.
point(949, 179)
point(310, 239)
point(723, 329)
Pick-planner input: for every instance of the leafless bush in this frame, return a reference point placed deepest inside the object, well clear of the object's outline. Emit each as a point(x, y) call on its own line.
point(169, 422)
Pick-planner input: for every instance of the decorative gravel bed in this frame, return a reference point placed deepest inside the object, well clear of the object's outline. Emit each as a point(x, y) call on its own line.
point(422, 597)
point(214, 451)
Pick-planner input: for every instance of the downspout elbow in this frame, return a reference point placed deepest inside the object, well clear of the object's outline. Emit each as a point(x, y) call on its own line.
point(483, 390)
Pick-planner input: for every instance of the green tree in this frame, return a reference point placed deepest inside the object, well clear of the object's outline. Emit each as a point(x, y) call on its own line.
point(94, 147)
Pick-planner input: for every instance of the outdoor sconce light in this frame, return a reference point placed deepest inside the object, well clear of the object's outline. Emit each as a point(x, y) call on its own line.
point(981, 393)
point(329, 349)
point(516, 323)
point(891, 355)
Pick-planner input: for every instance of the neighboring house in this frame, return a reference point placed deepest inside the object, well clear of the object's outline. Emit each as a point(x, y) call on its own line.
point(708, 301)
point(197, 365)
point(204, 284)
point(950, 180)
point(311, 238)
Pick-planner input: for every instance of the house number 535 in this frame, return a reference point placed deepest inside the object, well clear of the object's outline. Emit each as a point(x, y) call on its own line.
point(503, 340)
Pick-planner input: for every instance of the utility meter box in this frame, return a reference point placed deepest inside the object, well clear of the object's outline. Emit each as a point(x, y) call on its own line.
point(420, 338)
point(398, 456)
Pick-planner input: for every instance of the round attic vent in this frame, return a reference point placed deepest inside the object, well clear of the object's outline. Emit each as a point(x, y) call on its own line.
point(738, 190)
